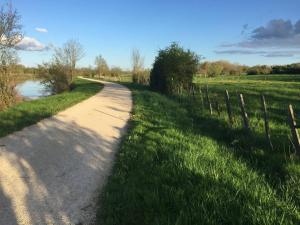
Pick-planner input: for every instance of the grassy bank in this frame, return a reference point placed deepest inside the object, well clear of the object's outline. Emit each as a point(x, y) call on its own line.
point(178, 165)
point(28, 113)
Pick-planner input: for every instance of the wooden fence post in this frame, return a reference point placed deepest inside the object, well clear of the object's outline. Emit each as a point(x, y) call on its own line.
point(293, 126)
point(243, 113)
point(208, 101)
point(201, 96)
point(266, 120)
point(218, 107)
point(228, 106)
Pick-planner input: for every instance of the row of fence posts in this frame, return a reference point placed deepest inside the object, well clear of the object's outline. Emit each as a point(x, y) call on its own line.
point(245, 118)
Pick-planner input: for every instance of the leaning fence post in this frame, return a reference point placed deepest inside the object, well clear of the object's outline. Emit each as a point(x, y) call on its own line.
point(293, 126)
point(228, 106)
point(208, 101)
point(266, 120)
point(201, 96)
point(243, 112)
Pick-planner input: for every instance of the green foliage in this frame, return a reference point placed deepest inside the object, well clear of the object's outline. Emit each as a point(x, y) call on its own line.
point(8, 94)
point(173, 70)
point(27, 113)
point(287, 69)
point(276, 69)
point(178, 165)
point(257, 70)
point(56, 77)
point(220, 68)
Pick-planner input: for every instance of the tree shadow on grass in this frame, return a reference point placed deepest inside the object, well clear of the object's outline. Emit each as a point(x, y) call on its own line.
point(251, 147)
point(169, 171)
point(152, 184)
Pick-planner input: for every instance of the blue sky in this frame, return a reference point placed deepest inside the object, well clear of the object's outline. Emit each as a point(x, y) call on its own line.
point(213, 28)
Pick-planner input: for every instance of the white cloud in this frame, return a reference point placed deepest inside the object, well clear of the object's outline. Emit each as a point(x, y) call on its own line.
point(41, 30)
point(31, 44)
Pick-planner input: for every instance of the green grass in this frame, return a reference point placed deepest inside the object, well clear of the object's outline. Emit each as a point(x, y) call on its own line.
point(28, 113)
point(178, 165)
point(279, 91)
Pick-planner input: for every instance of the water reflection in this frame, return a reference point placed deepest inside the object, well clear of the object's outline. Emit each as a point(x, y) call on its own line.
point(32, 89)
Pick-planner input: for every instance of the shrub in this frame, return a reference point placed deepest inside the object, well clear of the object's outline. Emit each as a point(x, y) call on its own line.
point(173, 70)
point(8, 94)
point(56, 77)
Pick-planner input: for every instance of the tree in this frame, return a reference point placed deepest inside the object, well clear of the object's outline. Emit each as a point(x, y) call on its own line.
point(101, 66)
point(137, 67)
point(215, 69)
point(10, 36)
point(55, 77)
point(173, 70)
point(58, 75)
point(116, 72)
point(71, 52)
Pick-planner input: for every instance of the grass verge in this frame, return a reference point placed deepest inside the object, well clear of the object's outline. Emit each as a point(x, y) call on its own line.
point(171, 169)
point(28, 113)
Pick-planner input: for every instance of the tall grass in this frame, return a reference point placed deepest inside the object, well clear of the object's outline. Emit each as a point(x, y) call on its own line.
point(179, 165)
point(279, 91)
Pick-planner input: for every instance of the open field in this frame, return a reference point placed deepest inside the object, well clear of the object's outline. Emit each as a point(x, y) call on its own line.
point(279, 91)
point(28, 113)
point(179, 165)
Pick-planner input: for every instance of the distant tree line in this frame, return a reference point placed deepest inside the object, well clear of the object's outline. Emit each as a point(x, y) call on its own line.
point(225, 68)
point(220, 68)
point(276, 69)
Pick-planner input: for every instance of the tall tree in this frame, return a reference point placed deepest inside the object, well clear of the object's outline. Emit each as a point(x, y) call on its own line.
point(101, 66)
point(10, 27)
point(10, 36)
point(68, 56)
point(137, 65)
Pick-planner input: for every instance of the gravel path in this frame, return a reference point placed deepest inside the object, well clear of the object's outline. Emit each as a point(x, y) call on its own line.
point(52, 172)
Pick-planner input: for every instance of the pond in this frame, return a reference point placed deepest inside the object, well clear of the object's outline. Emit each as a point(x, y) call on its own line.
point(32, 89)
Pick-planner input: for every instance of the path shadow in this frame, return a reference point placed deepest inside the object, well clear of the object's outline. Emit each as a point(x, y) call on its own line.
point(153, 182)
point(50, 172)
